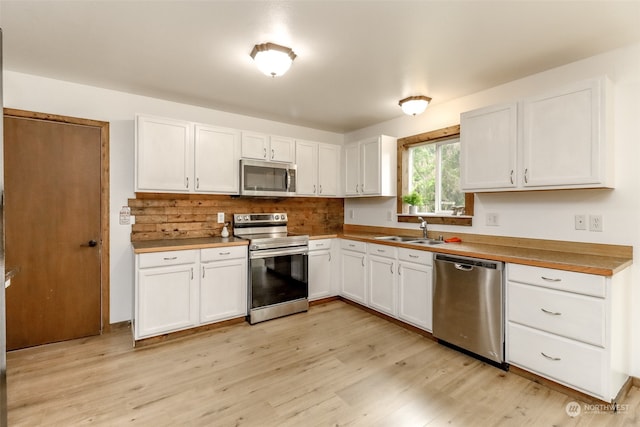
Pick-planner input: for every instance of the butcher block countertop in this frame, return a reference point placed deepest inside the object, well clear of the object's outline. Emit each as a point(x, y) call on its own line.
point(599, 259)
point(148, 246)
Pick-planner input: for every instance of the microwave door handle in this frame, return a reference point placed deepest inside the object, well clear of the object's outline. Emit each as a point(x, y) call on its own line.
point(288, 178)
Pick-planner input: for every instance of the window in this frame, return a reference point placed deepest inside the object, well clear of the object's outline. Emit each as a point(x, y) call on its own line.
point(447, 196)
point(434, 173)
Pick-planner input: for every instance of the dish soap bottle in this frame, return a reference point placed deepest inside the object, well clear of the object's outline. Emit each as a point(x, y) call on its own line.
point(225, 231)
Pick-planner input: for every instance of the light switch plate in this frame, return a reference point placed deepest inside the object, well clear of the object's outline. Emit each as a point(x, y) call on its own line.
point(220, 217)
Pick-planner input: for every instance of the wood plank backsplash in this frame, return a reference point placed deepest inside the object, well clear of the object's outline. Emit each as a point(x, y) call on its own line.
point(180, 216)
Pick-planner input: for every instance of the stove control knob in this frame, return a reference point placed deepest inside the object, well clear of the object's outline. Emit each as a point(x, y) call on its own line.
point(239, 218)
point(283, 216)
point(246, 217)
point(276, 217)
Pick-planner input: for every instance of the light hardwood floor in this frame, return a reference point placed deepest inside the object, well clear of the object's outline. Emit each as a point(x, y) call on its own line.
point(335, 365)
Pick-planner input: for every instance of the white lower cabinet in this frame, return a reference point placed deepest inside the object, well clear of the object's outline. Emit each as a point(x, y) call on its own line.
point(415, 287)
point(353, 270)
point(393, 281)
point(321, 269)
point(223, 283)
point(176, 290)
point(569, 327)
point(166, 292)
point(382, 270)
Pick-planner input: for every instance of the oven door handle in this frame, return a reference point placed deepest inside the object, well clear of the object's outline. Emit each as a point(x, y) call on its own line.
point(269, 253)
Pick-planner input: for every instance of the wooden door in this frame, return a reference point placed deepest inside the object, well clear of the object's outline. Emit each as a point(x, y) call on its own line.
point(53, 230)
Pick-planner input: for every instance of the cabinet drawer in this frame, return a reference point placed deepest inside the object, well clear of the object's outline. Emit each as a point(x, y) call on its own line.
point(223, 252)
point(581, 283)
point(353, 245)
point(571, 362)
point(382, 250)
point(321, 244)
point(412, 255)
point(570, 315)
point(160, 259)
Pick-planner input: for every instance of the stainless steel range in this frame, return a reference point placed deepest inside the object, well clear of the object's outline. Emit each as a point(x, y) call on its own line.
point(278, 276)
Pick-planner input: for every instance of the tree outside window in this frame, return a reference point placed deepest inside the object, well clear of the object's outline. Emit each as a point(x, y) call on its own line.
point(434, 173)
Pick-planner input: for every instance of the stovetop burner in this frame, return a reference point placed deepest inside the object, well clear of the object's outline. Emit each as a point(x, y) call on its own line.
point(266, 231)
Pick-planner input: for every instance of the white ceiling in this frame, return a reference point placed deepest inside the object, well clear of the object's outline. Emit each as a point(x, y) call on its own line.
point(356, 59)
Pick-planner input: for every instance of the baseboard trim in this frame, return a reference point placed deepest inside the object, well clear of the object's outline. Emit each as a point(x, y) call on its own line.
point(412, 328)
point(187, 332)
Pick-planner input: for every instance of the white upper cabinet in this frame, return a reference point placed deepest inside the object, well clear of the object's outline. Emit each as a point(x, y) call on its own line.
point(488, 138)
point(318, 168)
point(370, 167)
point(217, 151)
point(264, 147)
point(557, 140)
point(564, 141)
point(177, 156)
point(164, 159)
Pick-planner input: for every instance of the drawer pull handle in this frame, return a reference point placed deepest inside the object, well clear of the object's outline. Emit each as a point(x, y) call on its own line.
point(555, 359)
point(414, 256)
point(548, 279)
point(381, 250)
point(319, 245)
point(170, 258)
point(554, 313)
point(224, 253)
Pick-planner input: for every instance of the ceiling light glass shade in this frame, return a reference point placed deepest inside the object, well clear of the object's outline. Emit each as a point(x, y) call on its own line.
point(272, 59)
point(414, 105)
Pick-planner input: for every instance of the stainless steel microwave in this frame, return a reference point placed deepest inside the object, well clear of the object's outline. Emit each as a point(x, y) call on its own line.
point(262, 178)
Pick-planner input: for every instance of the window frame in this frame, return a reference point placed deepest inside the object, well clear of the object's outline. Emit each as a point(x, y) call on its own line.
point(403, 178)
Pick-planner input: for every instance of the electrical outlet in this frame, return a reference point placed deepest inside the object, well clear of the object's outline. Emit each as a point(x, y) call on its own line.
point(351, 214)
point(492, 219)
point(595, 222)
point(220, 217)
point(580, 222)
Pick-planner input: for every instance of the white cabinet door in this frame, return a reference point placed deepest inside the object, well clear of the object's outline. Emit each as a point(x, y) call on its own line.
point(353, 274)
point(382, 284)
point(217, 155)
point(319, 274)
point(352, 169)
point(281, 149)
point(488, 148)
point(166, 300)
point(370, 166)
point(328, 169)
point(415, 290)
point(223, 290)
point(562, 134)
point(164, 159)
point(254, 145)
point(307, 172)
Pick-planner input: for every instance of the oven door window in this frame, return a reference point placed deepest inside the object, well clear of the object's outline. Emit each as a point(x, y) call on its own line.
point(278, 279)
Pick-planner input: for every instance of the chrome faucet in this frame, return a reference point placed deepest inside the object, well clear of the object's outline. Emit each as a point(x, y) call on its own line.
point(423, 226)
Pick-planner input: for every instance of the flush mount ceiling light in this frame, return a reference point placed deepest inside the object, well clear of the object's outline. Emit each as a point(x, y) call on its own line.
point(272, 59)
point(414, 105)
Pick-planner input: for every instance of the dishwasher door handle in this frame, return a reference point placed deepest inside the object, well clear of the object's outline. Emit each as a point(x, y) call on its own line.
point(463, 267)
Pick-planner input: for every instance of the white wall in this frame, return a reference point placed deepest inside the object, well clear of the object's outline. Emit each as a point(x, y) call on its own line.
point(548, 214)
point(28, 92)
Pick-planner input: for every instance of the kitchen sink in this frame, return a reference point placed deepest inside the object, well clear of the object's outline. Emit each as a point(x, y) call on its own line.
point(410, 240)
point(427, 242)
point(403, 239)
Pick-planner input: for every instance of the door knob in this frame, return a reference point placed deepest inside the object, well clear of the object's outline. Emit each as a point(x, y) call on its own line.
point(91, 243)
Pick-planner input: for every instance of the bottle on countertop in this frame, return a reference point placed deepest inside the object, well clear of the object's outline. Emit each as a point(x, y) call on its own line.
point(225, 230)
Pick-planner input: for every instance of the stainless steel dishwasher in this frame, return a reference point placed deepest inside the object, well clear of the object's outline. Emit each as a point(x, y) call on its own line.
point(468, 308)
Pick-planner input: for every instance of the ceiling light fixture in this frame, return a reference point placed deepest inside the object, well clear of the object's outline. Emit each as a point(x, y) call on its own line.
point(273, 59)
point(414, 105)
